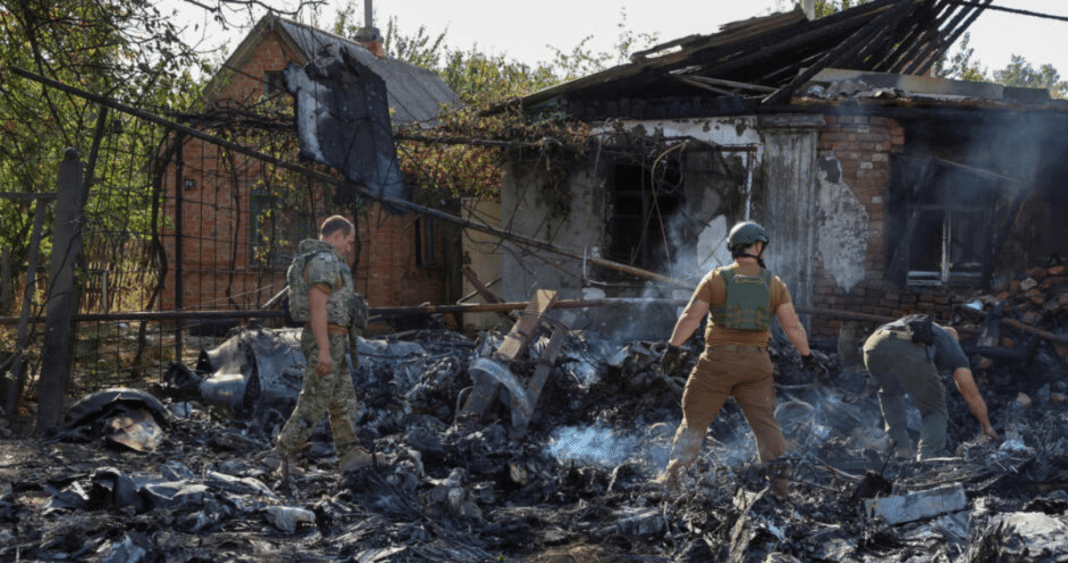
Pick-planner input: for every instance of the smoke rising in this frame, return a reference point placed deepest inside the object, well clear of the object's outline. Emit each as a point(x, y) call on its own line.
point(602, 445)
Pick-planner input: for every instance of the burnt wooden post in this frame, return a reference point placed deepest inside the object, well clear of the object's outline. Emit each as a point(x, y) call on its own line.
point(55, 365)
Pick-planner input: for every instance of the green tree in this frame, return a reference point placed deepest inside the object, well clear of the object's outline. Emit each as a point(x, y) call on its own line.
point(823, 8)
point(124, 50)
point(483, 79)
point(582, 61)
point(1021, 74)
point(960, 64)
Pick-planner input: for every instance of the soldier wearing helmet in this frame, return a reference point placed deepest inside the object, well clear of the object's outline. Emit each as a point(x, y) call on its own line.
point(740, 300)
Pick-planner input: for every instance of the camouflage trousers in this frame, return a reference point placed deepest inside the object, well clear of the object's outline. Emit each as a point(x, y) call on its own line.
point(333, 394)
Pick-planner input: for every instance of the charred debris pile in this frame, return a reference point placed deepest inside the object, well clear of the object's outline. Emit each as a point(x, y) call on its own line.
point(547, 451)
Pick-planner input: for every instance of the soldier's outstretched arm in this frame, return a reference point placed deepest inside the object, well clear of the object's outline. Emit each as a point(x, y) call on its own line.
point(689, 321)
point(791, 325)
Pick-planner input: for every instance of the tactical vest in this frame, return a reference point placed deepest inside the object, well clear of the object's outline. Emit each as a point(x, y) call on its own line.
point(748, 302)
point(339, 308)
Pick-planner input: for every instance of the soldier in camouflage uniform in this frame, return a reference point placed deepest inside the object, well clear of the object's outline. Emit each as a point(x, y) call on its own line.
point(740, 300)
point(322, 295)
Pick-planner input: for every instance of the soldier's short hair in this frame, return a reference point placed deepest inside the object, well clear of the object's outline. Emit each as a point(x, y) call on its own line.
point(333, 224)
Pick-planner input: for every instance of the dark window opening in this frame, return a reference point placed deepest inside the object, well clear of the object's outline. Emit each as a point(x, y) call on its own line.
point(640, 205)
point(426, 242)
point(945, 219)
point(274, 83)
point(276, 232)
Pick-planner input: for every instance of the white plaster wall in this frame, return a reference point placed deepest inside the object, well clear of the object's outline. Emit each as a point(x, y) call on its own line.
point(842, 225)
point(526, 211)
point(729, 132)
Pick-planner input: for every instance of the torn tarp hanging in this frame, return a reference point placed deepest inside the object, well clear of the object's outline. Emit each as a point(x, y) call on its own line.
point(343, 121)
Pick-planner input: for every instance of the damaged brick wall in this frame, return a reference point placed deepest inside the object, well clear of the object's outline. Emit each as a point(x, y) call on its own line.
point(854, 151)
point(218, 267)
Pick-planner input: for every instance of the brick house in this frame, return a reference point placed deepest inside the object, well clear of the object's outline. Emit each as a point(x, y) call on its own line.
point(885, 190)
point(241, 217)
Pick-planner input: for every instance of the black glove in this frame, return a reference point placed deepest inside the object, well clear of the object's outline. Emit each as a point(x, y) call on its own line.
point(671, 359)
point(809, 364)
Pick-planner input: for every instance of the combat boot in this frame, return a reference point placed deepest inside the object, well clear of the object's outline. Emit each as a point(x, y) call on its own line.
point(355, 458)
point(670, 477)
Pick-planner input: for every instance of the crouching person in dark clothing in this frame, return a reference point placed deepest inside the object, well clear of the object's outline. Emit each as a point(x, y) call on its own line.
point(906, 356)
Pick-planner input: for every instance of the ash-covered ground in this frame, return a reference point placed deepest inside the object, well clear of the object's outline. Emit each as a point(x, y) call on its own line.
point(175, 472)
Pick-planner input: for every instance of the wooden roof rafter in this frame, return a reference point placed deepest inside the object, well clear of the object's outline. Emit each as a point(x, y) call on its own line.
point(780, 52)
point(881, 24)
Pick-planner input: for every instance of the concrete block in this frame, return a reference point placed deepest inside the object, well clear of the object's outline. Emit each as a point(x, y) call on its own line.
point(917, 506)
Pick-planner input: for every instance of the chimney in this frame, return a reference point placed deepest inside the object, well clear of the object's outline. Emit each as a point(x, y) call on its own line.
point(809, 7)
point(368, 36)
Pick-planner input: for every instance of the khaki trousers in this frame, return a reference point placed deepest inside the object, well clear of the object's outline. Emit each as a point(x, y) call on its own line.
point(743, 372)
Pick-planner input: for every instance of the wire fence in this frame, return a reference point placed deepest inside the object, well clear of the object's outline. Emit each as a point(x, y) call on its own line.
point(177, 248)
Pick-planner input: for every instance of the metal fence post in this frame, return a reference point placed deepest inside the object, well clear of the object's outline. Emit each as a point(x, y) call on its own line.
point(66, 245)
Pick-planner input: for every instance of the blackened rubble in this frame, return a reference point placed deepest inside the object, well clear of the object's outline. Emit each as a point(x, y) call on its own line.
point(577, 485)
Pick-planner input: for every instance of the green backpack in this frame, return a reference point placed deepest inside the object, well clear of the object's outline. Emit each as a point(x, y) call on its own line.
point(297, 308)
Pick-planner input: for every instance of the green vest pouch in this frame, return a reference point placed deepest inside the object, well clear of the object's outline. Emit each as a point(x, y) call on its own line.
point(748, 302)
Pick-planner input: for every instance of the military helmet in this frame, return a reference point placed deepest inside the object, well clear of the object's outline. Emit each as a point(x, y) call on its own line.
point(745, 234)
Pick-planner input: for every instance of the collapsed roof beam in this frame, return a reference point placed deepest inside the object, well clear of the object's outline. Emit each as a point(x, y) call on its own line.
point(958, 27)
point(892, 51)
point(883, 21)
point(907, 51)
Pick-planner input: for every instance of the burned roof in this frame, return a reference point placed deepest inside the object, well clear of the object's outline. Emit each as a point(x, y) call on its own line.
point(756, 65)
point(415, 94)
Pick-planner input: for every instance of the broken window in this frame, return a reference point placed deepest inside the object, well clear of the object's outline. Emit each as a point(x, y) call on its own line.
point(276, 232)
point(944, 212)
point(640, 201)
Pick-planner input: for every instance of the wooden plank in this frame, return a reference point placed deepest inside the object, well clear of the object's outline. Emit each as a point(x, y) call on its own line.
point(516, 340)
